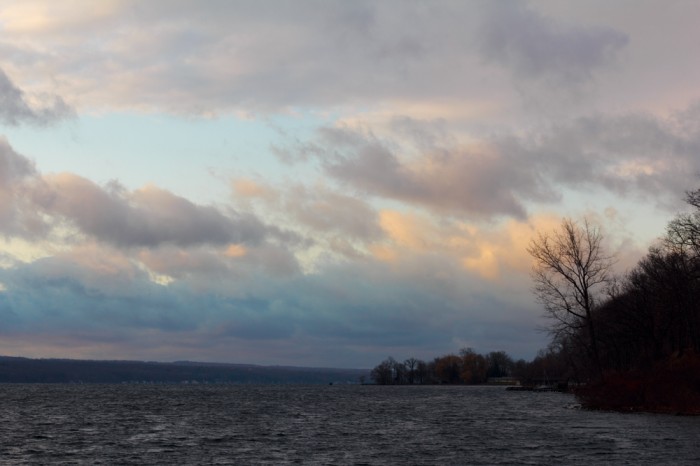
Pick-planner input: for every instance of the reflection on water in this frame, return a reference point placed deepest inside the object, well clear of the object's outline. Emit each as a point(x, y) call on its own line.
point(209, 424)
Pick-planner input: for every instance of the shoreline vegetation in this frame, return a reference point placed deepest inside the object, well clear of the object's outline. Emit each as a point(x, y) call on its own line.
point(545, 372)
point(637, 345)
point(670, 387)
point(629, 343)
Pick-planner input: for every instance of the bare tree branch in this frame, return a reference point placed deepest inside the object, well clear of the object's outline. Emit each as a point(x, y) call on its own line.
point(571, 272)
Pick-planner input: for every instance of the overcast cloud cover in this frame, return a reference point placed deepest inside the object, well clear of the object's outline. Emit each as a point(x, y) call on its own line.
point(324, 183)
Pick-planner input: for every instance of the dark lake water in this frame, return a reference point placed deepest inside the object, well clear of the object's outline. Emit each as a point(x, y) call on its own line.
point(210, 424)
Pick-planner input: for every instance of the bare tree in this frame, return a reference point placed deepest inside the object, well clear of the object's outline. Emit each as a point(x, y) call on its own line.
point(383, 373)
point(683, 232)
point(411, 364)
point(571, 272)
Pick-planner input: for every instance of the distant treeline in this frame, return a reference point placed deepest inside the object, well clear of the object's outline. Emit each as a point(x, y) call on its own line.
point(25, 370)
point(467, 367)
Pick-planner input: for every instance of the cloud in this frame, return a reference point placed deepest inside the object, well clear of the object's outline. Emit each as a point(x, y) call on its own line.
point(183, 58)
point(241, 55)
point(316, 207)
point(494, 252)
point(16, 107)
point(475, 179)
point(32, 205)
point(149, 270)
point(429, 179)
point(220, 270)
point(330, 224)
point(17, 214)
point(363, 310)
point(634, 154)
point(149, 216)
point(107, 296)
point(534, 46)
point(476, 60)
point(324, 210)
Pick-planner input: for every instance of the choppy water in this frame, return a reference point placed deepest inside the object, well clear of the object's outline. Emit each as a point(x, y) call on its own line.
point(112, 424)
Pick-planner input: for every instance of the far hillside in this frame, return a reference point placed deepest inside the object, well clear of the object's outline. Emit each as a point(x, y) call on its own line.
point(25, 370)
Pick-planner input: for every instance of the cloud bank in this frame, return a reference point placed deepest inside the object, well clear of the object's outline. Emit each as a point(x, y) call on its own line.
point(418, 149)
point(248, 56)
point(636, 154)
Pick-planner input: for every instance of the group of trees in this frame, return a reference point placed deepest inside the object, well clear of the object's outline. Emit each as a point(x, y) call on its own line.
point(634, 339)
point(640, 330)
point(603, 322)
point(467, 367)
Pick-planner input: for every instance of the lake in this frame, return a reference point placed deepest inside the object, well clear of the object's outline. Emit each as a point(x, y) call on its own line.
point(353, 424)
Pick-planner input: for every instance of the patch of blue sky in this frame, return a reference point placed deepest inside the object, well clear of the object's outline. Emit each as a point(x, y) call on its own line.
point(192, 157)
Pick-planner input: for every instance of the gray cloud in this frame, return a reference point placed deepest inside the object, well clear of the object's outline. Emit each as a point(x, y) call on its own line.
point(364, 311)
point(32, 204)
point(635, 154)
point(17, 215)
point(217, 269)
point(146, 217)
point(246, 55)
point(253, 57)
point(459, 180)
point(324, 210)
point(78, 298)
point(534, 46)
point(322, 217)
point(16, 109)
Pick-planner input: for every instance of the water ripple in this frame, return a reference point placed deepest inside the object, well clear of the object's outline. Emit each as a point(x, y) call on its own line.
point(132, 424)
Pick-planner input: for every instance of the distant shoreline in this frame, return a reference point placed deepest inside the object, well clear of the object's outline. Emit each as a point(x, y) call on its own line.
point(27, 370)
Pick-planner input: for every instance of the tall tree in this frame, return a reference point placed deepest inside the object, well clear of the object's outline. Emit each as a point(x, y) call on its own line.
point(474, 366)
point(571, 272)
point(411, 364)
point(683, 232)
point(383, 373)
point(499, 364)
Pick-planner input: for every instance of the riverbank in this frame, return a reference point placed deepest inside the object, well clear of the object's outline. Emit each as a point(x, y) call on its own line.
point(669, 387)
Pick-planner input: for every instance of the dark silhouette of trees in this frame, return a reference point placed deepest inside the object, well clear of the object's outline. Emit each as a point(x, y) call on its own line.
point(383, 373)
point(448, 369)
point(571, 273)
point(499, 364)
point(474, 367)
point(422, 373)
point(411, 365)
point(634, 340)
point(655, 312)
point(683, 232)
point(393, 372)
point(639, 347)
point(468, 367)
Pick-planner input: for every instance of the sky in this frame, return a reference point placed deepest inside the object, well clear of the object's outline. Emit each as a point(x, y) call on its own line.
point(325, 183)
